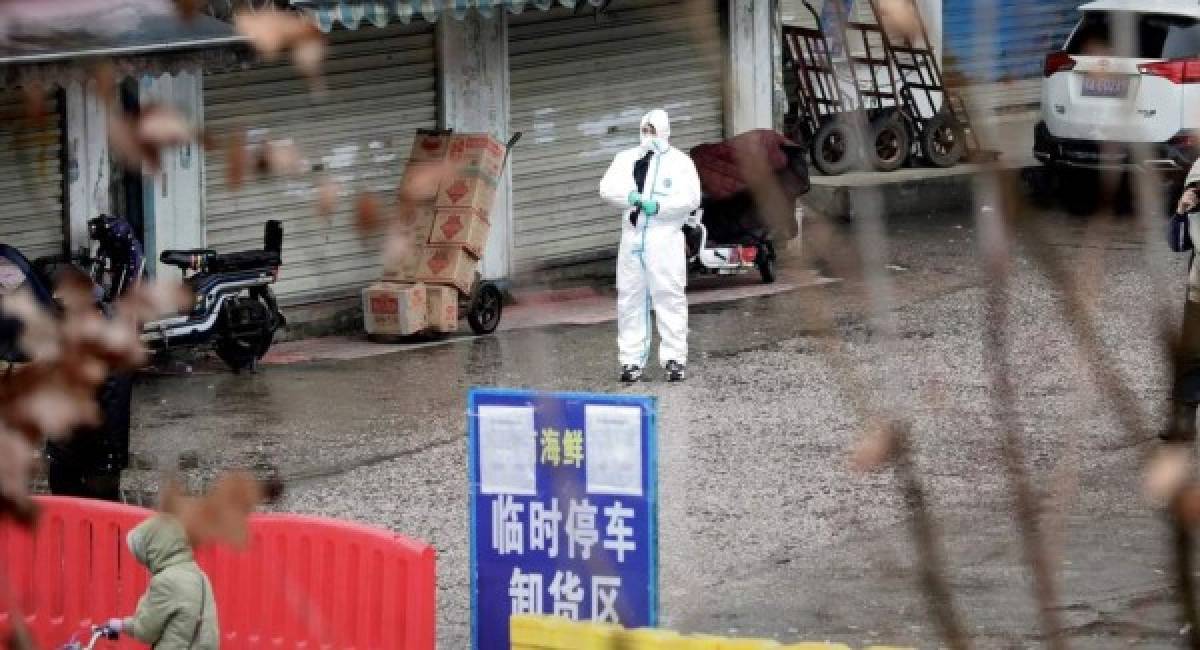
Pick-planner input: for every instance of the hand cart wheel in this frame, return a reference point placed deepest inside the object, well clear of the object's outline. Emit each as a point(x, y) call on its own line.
point(484, 308)
point(943, 140)
point(889, 141)
point(834, 148)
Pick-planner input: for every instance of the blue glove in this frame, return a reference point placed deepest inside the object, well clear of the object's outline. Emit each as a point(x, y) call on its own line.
point(1178, 237)
point(650, 207)
point(635, 199)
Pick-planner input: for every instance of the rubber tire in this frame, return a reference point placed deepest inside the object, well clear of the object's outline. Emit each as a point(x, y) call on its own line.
point(890, 125)
point(236, 355)
point(485, 309)
point(829, 164)
point(933, 141)
point(766, 263)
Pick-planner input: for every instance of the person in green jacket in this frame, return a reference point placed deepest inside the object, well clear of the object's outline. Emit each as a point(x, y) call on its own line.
point(177, 612)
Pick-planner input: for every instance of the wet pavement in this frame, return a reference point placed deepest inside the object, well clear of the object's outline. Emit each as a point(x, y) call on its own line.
point(764, 531)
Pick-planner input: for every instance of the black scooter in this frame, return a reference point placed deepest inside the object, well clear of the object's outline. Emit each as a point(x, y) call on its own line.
point(234, 309)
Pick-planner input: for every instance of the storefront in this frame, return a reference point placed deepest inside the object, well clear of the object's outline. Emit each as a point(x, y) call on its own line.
point(380, 86)
point(575, 80)
point(579, 88)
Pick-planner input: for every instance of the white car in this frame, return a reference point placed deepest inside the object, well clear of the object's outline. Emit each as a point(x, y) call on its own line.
point(1124, 92)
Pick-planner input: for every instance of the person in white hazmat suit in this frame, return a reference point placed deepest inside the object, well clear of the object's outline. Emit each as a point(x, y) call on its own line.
point(657, 190)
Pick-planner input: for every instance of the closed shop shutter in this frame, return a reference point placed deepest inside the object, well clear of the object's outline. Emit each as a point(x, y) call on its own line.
point(380, 87)
point(31, 183)
point(997, 47)
point(580, 86)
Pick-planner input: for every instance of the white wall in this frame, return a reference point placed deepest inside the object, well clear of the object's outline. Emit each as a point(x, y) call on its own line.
point(173, 197)
point(752, 66)
point(88, 168)
point(473, 82)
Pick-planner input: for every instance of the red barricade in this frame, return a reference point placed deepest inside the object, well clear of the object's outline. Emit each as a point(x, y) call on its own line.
point(302, 583)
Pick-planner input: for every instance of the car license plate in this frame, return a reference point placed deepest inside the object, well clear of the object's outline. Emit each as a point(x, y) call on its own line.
point(1097, 86)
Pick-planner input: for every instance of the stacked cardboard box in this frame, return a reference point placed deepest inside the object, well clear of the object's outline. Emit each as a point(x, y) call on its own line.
point(448, 222)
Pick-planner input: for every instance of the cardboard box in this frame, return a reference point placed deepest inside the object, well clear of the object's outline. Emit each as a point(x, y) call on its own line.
point(394, 309)
point(428, 147)
point(404, 269)
point(464, 228)
point(420, 182)
point(442, 314)
point(467, 193)
point(479, 154)
point(416, 221)
point(447, 265)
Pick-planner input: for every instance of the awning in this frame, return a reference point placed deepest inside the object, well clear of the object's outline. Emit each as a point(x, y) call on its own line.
point(44, 32)
point(352, 13)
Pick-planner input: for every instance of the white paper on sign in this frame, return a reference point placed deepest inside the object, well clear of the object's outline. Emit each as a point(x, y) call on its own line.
point(613, 449)
point(507, 450)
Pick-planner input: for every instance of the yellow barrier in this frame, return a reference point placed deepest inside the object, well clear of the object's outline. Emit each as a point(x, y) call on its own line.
point(556, 633)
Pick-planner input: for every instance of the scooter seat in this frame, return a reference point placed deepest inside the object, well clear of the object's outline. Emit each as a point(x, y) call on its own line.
point(188, 259)
point(244, 261)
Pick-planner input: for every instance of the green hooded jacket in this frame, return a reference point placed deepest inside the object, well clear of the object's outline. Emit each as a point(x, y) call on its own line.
point(179, 593)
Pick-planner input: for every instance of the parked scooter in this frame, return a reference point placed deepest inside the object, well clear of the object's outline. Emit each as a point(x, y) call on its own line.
point(734, 231)
point(234, 309)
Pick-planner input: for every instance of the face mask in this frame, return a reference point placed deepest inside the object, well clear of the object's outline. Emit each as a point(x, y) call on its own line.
point(654, 143)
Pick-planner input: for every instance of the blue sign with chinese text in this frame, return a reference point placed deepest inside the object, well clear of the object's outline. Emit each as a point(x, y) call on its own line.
point(564, 514)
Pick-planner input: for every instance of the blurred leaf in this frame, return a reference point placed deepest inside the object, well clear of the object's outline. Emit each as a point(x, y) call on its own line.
point(39, 332)
point(273, 32)
point(104, 75)
point(899, 18)
point(221, 515)
point(309, 54)
point(17, 458)
point(18, 637)
point(236, 160)
point(367, 215)
point(283, 157)
point(123, 141)
point(399, 246)
point(138, 139)
point(36, 105)
point(1187, 504)
point(421, 182)
point(875, 449)
point(1166, 473)
point(328, 192)
point(162, 126)
point(48, 405)
point(188, 9)
point(151, 300)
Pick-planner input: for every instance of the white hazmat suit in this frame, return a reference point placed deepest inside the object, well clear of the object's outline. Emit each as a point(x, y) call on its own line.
point(652, 259)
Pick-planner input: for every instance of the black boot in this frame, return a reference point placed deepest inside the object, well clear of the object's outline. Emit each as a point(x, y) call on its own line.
point(675, 371)
point(631, 374)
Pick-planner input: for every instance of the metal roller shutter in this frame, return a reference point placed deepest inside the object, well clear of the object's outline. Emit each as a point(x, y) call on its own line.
point(998, 46)
point(381, 86)
point(579, 88)
point(31, 182)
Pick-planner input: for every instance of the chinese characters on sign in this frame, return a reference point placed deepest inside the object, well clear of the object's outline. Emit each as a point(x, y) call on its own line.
point(563, 510)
